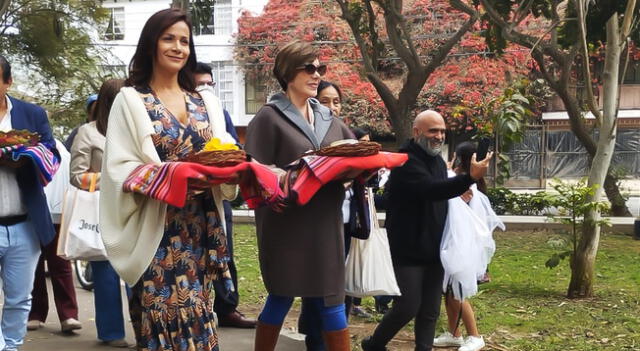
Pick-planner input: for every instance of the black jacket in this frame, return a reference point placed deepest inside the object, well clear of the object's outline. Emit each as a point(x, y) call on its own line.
point(417, 195)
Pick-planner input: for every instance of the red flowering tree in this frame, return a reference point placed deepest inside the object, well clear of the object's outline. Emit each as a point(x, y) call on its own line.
point(465, 76)
point(259, 37)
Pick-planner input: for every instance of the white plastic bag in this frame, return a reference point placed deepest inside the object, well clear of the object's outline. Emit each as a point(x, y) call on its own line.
point(56, 189)
point(467, 244)
point(79, 231)
point(369, 269)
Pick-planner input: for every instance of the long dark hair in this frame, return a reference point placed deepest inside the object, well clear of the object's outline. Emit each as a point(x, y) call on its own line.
point(464, 152)
point(107, 94)
point(6, 69)
point(141, 66)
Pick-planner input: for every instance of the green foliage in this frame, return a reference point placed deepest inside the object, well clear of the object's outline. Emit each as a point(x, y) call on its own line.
point(572, 204)
point(555, 259)
point(200, 11)
point(50, 42)
point(504, 201)
point(506, 116)
point(501, 200)
point(535, 204)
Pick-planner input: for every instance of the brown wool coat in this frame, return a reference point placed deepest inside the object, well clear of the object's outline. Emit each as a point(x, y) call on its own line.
point(301, 250)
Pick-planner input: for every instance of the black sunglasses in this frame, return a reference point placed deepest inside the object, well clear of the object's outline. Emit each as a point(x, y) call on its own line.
point(311, 69)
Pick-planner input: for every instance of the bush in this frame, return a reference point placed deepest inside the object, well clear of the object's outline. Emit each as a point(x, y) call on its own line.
point(531, 204)
point(501, 199)
point(504, 201)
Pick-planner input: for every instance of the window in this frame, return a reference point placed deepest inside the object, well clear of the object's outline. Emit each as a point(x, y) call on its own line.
point(115, 29)
point(200, 28)
point(220, 21)
point(222, 17)
point(223, 76)
point(255, 95)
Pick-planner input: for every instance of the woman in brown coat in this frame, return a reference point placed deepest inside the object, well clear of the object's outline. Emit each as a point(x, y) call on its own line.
point(301, 249)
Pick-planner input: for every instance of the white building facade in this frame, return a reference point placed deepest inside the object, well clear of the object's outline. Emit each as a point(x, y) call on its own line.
point(214, 44)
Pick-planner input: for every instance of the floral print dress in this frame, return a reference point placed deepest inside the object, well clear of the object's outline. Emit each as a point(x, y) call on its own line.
point(172, 304)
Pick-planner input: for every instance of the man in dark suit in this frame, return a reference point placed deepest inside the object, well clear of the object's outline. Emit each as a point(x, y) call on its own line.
point(25, 222)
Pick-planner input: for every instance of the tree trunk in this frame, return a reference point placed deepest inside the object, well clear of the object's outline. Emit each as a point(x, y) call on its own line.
point(574, 111)
point(583, 263)
point(4, 6)
point(401, 122)
point(618, 202)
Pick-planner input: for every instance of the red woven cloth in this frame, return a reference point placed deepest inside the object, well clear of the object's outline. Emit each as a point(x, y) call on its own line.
point(317, 171)
point(169, 182)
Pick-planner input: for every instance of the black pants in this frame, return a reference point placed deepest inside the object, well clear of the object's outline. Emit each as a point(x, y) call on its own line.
point(227, 303)
point(421, 288)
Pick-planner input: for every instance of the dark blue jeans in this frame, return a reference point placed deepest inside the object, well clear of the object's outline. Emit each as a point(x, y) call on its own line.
point(108, 301)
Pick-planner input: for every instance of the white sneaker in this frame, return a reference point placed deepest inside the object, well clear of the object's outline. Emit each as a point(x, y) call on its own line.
point(70, 324)
point(34, 324)
point(447, 339)
point(472, 343)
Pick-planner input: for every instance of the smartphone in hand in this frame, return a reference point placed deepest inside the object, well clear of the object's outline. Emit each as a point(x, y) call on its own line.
point(483, 147)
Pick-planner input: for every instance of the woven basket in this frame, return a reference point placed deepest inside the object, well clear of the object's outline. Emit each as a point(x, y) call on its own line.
point(361, 148)
point(218, 158)
point(15, 137)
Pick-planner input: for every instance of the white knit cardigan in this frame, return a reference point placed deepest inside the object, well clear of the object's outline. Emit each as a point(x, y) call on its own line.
point(132, 224)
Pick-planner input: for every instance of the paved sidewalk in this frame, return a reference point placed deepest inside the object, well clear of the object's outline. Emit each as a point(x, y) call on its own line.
point(50, 338)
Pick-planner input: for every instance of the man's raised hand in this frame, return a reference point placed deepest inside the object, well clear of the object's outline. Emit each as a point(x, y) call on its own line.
point(479, 168)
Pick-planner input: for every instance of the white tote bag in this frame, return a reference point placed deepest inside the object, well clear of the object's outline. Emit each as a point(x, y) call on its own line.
point(369, 270)
point(55, 190)
point(79, 231)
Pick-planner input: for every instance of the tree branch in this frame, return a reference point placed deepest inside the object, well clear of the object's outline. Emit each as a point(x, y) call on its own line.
point(398, 37)
point(522, 12)
point(627, 21)
point(4, 6)
point(373, 33)
point(444, 50)
point(582, 8)
point(522, 39)
point(369, 66)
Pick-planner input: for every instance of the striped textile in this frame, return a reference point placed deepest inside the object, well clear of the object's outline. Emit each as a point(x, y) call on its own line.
point(317, 171)
point(44, 160)
point(169, 182)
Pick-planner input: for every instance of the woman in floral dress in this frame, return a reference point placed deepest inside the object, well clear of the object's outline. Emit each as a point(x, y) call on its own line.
point(171, 256)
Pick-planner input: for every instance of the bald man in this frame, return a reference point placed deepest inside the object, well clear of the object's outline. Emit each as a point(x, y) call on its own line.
point(416, 212)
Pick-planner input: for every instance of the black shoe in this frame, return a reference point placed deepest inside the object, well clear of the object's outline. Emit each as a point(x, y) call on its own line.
point(367, 345)
point(382, 308)
point(236, 319)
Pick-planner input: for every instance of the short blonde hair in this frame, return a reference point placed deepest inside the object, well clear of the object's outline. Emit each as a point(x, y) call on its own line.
point(290, 57)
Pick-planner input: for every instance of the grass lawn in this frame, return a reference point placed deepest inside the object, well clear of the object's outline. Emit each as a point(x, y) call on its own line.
point(524, 306)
